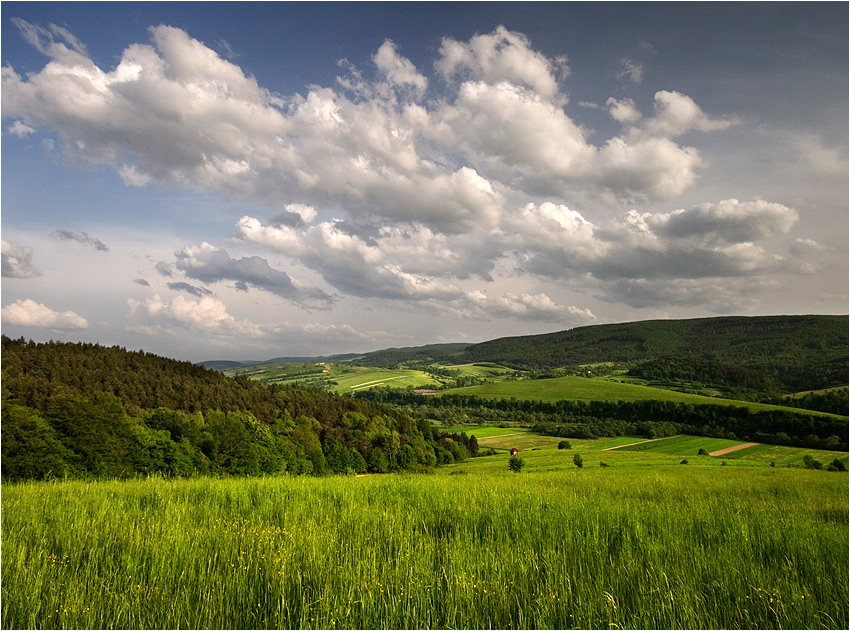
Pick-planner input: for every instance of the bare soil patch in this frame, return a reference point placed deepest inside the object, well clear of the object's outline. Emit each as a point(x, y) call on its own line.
point(721, 452)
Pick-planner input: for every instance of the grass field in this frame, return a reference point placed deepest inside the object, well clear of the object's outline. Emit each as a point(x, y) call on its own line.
point(620, 547)
point(582, 389)
point(355, 379)
point(634, 450)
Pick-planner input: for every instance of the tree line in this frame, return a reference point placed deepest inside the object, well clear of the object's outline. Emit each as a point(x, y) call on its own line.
point(653, 419)
point(89, 410)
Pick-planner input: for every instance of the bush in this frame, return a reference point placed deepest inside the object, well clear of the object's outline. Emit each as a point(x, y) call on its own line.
point(702, 452)
point(811, 463)
point(685, 461)
point(564, 444)
point(602, 464)
point(578, 461)
point(515, 463)
point(836, 465)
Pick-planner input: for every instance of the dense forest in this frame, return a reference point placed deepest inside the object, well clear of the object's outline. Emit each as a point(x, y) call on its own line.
point(89, 410)
point(653, 419)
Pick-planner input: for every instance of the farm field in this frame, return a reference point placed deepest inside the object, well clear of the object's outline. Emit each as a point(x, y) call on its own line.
point(553, 547)
point(342, 378)
point(583, 389)
point(632, 450)
point(354, 379)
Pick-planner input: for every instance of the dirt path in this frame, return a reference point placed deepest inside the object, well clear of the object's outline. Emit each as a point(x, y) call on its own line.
point(728, 450)
point(640, 442)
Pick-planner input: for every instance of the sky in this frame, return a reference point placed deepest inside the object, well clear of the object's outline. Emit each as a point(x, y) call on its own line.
point(253, 180)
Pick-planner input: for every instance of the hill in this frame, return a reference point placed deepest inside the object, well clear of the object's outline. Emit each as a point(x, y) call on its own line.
point(796, 352)
point(89, 410)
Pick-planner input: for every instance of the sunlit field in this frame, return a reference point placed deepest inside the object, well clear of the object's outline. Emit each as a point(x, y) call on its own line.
point(655, 546)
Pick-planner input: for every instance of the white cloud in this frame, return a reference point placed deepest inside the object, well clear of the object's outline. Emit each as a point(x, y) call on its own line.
point(501, 56)
point(382, 193)
point(17, 261)
point(177, 113)
point(207, 315)
point(19, 129)
point(676, 114)
point(623, 110)
point(28, 313)
point(398, 70)
point(526, 307)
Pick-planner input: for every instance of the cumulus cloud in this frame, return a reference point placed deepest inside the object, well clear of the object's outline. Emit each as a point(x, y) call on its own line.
point(208, 315)
point(501, 56)
point(294, 216)
point(551, 241)
point(529, 307)
point(17, 261)
point(729, 220)
point(29, 313)
point(209, 264)
point(676, 114)
point(623, 110)
point(176, 112)
point(393, 187)
point(398, 70)
point(81, 237)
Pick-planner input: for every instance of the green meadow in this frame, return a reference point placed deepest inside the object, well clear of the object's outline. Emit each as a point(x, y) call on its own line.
point(644, 542)
point(596, 389)
point(354, 379)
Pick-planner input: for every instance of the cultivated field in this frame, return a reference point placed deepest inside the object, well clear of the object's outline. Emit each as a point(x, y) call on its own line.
point(643, 543)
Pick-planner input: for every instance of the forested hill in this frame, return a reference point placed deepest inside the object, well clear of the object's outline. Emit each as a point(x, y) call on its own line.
point(86, 409)
point(802, 352)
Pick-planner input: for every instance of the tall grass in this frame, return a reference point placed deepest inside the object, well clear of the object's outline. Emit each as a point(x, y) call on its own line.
point(590, 548)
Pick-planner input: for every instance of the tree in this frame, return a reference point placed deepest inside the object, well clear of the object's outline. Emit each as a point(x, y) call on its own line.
point(578, 461)
point(564, 444)
point(515, 463)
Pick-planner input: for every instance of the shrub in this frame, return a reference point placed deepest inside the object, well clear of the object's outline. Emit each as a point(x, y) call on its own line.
point(578, 461)
point(602, 464)
point(811, 463)
point(836, 465)
point(564, 444)
point(515, 463)
point(685, 461)
point(702, 452)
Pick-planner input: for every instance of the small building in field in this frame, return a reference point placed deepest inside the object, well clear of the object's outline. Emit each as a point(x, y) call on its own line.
point(514, 451)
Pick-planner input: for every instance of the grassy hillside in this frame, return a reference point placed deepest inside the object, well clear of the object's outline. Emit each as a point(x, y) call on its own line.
point(800, 352)
point(583, 389)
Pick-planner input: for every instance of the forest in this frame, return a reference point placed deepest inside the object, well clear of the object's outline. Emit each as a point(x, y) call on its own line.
point(77, 410)
point(653, 419)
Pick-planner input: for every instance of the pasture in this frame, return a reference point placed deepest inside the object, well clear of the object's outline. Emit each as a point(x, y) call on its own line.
point(597, 389)
point(642, 543)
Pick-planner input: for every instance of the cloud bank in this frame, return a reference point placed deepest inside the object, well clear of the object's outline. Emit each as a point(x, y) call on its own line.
point(435, 189)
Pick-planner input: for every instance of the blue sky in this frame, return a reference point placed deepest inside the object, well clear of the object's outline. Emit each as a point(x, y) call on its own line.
point(249, 180)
